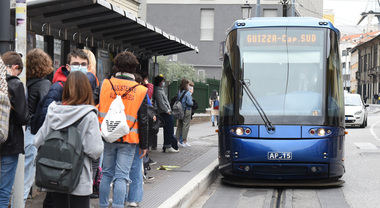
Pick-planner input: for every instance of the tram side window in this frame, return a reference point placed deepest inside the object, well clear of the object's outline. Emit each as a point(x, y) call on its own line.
point(227, 83)
point(334, 83)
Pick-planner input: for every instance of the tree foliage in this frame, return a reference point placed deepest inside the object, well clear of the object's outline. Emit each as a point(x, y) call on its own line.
point(175, 70)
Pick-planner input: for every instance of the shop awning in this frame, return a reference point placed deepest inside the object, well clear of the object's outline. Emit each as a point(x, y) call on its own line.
point(97, 22)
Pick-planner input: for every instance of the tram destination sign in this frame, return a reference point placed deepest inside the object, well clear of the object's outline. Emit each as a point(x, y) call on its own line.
point(280, 37)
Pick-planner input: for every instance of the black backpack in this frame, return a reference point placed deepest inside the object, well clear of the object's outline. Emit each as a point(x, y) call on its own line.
point(60, 160)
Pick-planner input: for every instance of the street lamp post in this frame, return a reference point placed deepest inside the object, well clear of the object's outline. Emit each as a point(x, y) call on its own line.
point(246, 11)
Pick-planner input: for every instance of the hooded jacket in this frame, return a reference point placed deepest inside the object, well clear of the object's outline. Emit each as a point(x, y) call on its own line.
point(61, 116)
point(19, 116)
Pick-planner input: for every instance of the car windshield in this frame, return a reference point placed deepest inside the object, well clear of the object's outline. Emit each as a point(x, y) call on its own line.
point(352, 101)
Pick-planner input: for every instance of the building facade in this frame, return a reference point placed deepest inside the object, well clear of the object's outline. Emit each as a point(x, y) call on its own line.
point(204, 23)
point(368, 74)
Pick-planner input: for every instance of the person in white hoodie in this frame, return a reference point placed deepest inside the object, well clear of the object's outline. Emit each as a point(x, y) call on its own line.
point(77, 103)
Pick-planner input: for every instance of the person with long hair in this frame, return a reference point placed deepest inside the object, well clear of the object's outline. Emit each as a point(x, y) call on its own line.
point(187, 104)
point(91, 69)
point(38, 65)
point(214, 99)
point(77, 105)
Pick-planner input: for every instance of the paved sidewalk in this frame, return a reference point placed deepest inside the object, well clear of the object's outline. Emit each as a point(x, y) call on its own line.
point(180, 186)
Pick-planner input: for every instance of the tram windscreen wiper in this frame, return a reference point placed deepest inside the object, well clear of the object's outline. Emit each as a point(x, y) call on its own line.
point(268, 124)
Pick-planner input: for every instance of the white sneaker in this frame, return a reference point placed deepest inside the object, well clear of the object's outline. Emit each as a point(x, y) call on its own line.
point(181, 145)
point(133, 204)
point(171, 150)
point(186, 144)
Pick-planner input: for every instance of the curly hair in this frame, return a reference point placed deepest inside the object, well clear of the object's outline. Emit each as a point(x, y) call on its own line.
point(126, 62)
point(38, 64)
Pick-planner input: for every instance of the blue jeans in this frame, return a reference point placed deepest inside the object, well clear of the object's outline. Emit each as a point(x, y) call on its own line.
point(212, 118)
point(30, 165)
point(135, 192)
point(117, 163)
point(7, 177)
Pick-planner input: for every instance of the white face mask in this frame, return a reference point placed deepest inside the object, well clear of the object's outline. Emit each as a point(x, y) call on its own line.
point(80, 68)
point(163, 84)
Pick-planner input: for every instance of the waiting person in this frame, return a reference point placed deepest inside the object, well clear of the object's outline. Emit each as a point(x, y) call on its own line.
point(38, 65)
point(193, 108)
point(77, 104)
point(19, 116)
point(214, 104)
point(187, 103)
point(163, 106)
point(91, 69)
point(119, 157)
point(94, 82)
point(76, 61)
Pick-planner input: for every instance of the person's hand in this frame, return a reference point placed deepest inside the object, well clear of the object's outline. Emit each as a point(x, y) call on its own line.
point(169, 113)
point(142, 152)
point(154, 118)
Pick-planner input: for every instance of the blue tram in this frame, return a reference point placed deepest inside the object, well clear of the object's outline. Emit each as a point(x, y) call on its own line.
point(281, 101)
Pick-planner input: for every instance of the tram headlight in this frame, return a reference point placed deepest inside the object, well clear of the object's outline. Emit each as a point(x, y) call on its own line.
point(321, 132)
point(239, 131)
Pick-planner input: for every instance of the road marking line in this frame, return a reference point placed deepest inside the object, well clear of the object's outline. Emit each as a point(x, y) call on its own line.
point(373, 132)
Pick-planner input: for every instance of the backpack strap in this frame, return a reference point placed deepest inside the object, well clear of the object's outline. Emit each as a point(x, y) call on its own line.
point(76, 123)
point(183, 95)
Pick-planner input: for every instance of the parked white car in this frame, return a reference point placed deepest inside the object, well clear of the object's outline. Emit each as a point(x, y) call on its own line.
point(355, 110)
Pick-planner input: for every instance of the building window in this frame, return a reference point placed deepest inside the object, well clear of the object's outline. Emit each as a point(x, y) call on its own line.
point(207, 24)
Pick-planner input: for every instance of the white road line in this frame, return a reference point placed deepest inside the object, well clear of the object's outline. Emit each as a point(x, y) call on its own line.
point(373, 132)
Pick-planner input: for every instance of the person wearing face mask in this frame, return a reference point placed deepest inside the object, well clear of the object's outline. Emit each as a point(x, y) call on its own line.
point(19, 116)
point(161, 102)
point(77, 60)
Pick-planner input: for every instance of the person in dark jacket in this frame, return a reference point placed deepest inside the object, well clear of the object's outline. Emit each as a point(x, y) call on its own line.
point(38, 65)
point(19, 117)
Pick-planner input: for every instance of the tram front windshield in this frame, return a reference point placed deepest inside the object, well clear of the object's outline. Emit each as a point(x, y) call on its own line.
point(284, 68)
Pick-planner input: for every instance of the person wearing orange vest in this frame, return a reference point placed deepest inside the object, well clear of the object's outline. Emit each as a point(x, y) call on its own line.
point(124, 156)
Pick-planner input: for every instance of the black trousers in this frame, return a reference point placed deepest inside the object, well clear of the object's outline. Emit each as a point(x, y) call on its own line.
point(70, 201)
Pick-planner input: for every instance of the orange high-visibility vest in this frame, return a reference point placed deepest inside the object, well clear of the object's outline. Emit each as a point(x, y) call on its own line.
point(132, 103)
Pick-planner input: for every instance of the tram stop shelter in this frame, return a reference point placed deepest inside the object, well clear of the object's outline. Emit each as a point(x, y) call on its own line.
point(100, 26)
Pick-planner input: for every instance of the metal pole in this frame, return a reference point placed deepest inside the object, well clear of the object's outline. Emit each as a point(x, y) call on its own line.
point(5, 18)
point(20, 46)
point(258, 8)
point(293, 8)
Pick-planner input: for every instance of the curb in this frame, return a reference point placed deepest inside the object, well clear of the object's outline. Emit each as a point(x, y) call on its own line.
point(187, 195)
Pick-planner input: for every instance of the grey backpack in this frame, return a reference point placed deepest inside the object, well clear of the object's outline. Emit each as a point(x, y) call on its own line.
point(60, 159)
point(177, 111)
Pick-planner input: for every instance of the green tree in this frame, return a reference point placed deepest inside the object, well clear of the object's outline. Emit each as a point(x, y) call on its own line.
point(175, 70)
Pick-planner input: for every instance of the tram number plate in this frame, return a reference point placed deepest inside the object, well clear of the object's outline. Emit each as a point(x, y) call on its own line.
point(279, 156)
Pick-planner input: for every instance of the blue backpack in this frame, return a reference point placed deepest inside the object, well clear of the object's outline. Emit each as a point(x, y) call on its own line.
point(216, 104)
